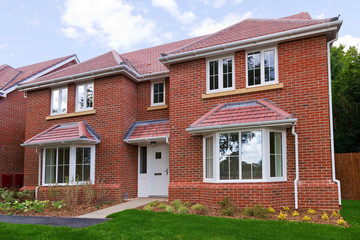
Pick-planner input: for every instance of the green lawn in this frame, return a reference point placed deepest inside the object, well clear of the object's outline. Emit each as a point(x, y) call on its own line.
point(135, 224)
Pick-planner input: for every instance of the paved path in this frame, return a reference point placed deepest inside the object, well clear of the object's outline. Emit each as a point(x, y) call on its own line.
point(53, 221)
point(130, 204)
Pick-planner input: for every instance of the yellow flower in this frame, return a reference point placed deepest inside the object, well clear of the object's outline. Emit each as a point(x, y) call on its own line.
point(282, 216)
point(341, 221)
point(306, 219)
point(311, 211)
point(334, 214)
point(325, 216)
point(271, 210)
point(286, 209)
point(295, 213)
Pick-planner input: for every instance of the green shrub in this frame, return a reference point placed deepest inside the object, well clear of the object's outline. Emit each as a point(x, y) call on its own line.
point(169, 208)
point(187, 204)
point(148, 208)
point(183, 210)
point(199, 208)
point(227, 207)
point(162, 205)
point(152, 204)
point(177, 204)
point(257, 211)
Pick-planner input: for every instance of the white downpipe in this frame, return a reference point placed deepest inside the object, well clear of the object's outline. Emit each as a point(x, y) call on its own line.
point(39, 174)
point(296, 166)
point(331, 120)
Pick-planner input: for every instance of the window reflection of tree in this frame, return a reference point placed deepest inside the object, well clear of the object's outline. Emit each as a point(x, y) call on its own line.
point(229, 156)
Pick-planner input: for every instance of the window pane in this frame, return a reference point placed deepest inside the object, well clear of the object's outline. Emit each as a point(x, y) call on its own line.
point(229, 155)
point(209, 171)
point(81, 97)
point(63, 100)
point(89, 95)
point(269, 63)
point(83, 162)
point(55, 101)
point(63, 164)
point(227, 72)
point(143, 159)
point(158, 93)
point(50, 165)
point(254, 66)
point(276, 168)
point(214, 74)
point(251, 155)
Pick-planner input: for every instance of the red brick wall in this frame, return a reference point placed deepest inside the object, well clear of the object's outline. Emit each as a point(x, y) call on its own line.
point(144, 101)
point(115, 100)
point(12, 133)
point(303, 71)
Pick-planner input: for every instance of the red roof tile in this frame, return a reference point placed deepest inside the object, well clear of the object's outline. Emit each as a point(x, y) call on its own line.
point(10, 76)
point(148, 129)
point(76, 132)
point(251, 28)
point(302, 15)
point(241, 112)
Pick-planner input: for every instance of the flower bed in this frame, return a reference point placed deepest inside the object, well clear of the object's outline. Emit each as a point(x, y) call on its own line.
point(227, 209)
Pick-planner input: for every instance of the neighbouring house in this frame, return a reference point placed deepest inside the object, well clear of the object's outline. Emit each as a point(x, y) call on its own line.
point(12, 115)
point(243, 113)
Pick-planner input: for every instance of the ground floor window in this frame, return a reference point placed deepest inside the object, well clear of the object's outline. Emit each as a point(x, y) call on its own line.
point(68, 164)
point(245, 156)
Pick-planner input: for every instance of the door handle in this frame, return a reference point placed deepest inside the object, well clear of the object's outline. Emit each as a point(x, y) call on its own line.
point(167, 171)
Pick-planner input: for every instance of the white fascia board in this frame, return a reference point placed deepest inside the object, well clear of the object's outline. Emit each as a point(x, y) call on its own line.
point(253, 42)
point(2, 94)
point(42, 73)
point(120, 69)
point(146, 140)
point(276, 123)
point(61, 142)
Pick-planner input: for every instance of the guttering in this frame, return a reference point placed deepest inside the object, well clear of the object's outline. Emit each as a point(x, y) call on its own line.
point(2, 94)
point(71, 141)
point(284, 122)
point(296, 166)
point(331, 120)
point(120, 69)
point(262, 40)
point(147, 140)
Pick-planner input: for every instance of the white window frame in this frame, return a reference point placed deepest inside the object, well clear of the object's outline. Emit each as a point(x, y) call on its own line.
point(262, 68)
point(60, 100)
point(77, 97)
point(221, 83)
point(72, 165)
point(265, 135)
point(152, 94)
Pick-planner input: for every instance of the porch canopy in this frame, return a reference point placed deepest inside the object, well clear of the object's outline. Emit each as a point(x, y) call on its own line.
point(240, 115)
point(148, 131)
point(60, 134)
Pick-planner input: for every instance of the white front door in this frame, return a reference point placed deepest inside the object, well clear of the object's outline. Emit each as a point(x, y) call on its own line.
point(154, 181)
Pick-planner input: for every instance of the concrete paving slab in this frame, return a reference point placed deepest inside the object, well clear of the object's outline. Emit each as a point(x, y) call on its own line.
point(52, 221)
point(129, 204)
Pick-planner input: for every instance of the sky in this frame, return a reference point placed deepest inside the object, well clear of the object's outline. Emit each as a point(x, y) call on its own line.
point(37, 30)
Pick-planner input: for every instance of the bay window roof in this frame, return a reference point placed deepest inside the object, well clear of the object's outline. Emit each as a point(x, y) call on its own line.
point(68, 133)
point(246, 114)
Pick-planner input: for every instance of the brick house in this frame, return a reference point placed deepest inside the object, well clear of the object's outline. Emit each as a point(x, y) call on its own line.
point(243, 113)
point(12, 114)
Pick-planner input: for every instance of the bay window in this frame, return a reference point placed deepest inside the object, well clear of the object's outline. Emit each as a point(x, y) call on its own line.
point(85, 97)
point(68, 164)
point(220, 74)
point(59, 101)
point(261, 67)
point(245, 156)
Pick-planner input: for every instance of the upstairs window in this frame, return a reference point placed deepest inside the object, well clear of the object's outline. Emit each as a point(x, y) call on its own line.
point(158, 93)
point(85, 97)
point(220, 74)
point(59, 101)
point(261, 67)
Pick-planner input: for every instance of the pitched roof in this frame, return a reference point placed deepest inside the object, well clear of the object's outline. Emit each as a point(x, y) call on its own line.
point(10, 76)
point(246, 112)
point(252, 28)
point(148, 130)
point(77, 132)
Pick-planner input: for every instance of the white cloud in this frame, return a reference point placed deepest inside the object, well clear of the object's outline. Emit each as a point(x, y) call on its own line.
point(348, 41)
point(3, 45)
point(320, 16)
point(172, 7)
point(219, 3)
point(112, 22)
point(210, 25)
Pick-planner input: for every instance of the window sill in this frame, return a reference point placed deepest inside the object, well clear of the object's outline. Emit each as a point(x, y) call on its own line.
point(243, 91)
point(157, 108)
point(245, 181)
point(68, 115)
